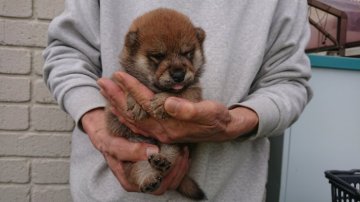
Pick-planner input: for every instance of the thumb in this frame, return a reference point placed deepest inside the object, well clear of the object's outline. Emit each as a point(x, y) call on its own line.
point(181, 109)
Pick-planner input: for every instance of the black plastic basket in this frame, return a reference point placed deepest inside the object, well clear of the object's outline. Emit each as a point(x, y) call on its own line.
point(345, 185)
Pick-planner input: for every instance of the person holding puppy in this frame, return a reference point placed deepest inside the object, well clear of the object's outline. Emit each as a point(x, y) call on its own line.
point(255, 85)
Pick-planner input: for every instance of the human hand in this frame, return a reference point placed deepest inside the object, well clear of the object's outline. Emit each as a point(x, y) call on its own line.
point(118, 150)
point(190, 122)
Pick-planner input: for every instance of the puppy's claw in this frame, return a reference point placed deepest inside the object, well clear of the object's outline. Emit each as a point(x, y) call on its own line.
point(137, 112)
point(159, 112)
point(157, 106)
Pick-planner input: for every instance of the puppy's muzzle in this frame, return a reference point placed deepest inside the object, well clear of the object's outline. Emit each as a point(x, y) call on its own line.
point(177, 74)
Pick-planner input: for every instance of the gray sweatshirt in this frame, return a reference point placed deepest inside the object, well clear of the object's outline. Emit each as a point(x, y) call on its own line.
point(255, 58)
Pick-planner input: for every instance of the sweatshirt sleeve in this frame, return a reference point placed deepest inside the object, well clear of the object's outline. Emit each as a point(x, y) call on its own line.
point(72, 58)
point(281, 91)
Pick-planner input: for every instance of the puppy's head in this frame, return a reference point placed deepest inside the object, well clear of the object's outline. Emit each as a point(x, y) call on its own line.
point(164, 51)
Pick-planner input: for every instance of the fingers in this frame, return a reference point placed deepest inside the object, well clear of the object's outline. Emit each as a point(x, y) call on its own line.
point(130, 123)
point(170, 182)
point(108, 86)
point(138, 91)
point(113, 93)
point(116, 150)
point(124, 150)
point(118, 170)
point(120, 148)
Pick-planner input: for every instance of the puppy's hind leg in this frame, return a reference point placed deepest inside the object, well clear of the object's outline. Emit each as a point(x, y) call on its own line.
point(145, 176)
point(188, 187)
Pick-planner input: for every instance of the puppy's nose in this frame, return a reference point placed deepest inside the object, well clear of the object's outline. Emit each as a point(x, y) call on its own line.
point(177, 75)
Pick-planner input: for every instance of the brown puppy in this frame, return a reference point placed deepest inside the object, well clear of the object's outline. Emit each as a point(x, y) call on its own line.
point(163, 50)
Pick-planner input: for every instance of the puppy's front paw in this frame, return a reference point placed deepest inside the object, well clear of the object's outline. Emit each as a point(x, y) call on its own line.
point(138, 113)
point(157, 106)
point(151, 183)
point(159, 162)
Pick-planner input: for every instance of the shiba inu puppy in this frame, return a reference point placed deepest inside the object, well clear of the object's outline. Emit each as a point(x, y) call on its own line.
point(163, 50)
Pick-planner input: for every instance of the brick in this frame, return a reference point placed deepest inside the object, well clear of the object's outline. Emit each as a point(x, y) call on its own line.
point(24, 33)
point(46, 9)
point(14, 117)
point(46, 171)
point(15, 61)
point(51, 118)
point(35, 145)
point(2, 32)
point(16, 8)
point(51, 193)
point(14, 170)
point(14, 89)
point(38, 62)
point(14, 193)
point(42, 94)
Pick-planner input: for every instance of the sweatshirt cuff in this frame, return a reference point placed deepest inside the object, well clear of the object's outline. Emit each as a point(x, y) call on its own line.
point(80, 100)
point(267, 111)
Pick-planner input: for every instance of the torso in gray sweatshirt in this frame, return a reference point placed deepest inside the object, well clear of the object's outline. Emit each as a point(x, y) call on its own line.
point(255, 58)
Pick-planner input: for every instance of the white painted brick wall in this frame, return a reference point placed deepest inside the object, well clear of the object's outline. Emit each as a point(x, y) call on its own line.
point(14, 117)
point(50, 118)
point(46, 9)
point(15, 192)
point(35, 145)
point(41, 93)
point(15, 61)
point(15, 8)
point(24, 32)
point(35, 134)
point(37, 62)
point(50, 194)
point(14, 89)
point(14, 170)
point(50, 171)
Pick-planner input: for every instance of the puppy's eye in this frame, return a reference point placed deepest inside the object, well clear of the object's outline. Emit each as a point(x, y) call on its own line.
point(189, 54)
point(157, 57)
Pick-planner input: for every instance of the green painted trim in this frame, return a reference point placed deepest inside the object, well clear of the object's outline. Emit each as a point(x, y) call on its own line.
point(334, 62)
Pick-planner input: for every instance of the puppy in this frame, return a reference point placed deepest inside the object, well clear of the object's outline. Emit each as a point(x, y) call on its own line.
point(163, 50)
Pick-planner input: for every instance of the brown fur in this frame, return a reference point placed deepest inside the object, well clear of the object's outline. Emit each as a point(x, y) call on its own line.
point(163, 50)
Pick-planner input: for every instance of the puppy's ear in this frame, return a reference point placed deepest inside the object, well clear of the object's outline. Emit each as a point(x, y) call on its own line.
point(200, 34)
point(131, 41)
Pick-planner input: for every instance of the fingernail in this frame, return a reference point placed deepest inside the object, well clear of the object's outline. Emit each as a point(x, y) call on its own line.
point(151, 150)
point(172, 105)
point(118, 76)
point(100, 83)
point(103, 93)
